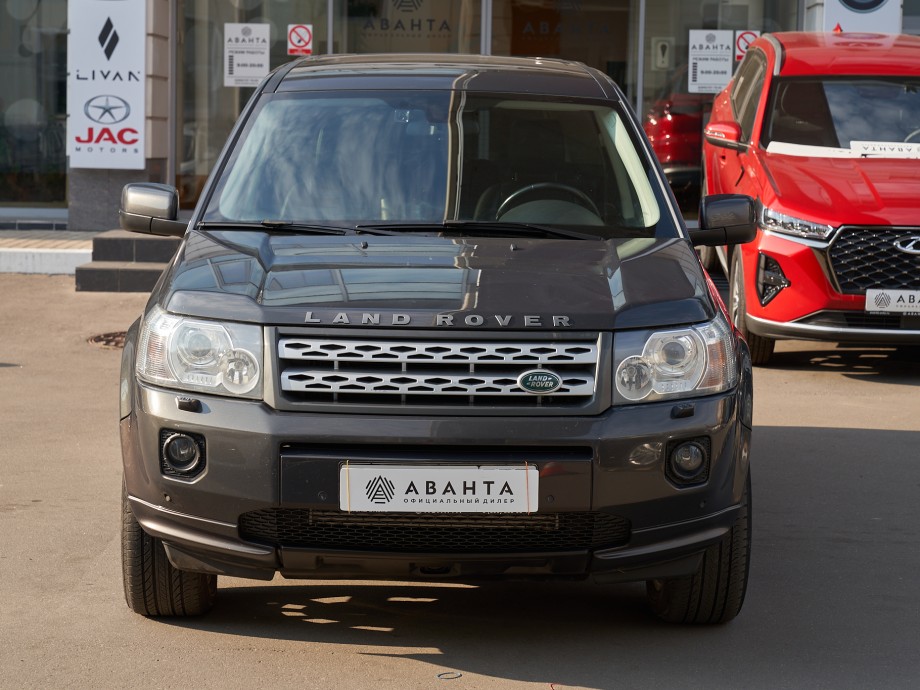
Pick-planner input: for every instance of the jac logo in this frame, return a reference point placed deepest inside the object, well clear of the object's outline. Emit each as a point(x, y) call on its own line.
point(105, 135)
point(909, 245)
point(107, 110)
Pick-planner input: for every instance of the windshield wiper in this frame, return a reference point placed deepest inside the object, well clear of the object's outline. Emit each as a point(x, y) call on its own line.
point(284, 225)
point(481, 227)
point(499, 226)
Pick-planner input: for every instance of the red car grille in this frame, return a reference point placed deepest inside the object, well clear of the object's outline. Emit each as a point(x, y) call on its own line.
point(863, 258)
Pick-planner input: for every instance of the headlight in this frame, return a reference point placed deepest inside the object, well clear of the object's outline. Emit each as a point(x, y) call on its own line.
point(789, 225)
point(206, 356)
point(680, 363)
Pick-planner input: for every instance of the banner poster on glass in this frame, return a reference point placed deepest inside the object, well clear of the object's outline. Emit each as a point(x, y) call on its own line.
point(300, 39)
point(106, 65)
point(710, 60)
point(246, 53)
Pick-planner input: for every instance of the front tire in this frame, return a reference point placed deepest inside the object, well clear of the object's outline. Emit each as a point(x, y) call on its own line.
point(715, 594)
point(761, 347)
point(153, 587)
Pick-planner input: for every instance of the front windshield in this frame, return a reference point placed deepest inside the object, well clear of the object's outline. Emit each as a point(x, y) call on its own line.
point(844, 113)
point(350, 158)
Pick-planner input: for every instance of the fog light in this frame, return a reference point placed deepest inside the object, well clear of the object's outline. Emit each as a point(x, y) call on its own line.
point(181, 453)
point(770, 279)
point(688, 462)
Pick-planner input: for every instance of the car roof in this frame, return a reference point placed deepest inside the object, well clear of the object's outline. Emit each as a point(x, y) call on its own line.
point(476, 73)
point(807, 53)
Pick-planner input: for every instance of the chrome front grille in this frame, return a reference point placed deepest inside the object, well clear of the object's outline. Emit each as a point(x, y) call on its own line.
point(433, 372)
point(866, 257)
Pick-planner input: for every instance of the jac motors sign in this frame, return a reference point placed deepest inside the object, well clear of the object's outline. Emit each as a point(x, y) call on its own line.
point(105, 83)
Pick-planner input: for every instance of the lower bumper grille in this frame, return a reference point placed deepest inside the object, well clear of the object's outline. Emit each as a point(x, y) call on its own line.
point(861, 320)
point(402, 533)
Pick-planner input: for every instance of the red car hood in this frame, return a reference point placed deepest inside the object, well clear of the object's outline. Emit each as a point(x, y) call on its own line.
point(837, 191)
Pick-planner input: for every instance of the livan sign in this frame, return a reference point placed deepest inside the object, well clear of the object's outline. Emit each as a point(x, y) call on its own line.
point(105, 83)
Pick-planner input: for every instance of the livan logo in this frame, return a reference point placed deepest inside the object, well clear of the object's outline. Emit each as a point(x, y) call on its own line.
point(539, 381)
point(380, 490)
point(909, 245)
point(108, 38)
point(107, 110)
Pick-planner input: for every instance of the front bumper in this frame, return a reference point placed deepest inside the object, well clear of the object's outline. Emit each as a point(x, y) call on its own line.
point(259, 459)
point(811, 328)
point(810, 307)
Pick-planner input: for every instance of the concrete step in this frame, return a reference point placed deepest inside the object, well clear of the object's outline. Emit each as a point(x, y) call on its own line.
point(118, 276)
point(121, 245)
point(125, 261)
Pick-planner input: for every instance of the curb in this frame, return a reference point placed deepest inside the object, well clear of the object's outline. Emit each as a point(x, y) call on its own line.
point(49, 252)
point(47, 261)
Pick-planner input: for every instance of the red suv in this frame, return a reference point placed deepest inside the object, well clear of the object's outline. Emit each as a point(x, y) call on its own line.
point(824, 131)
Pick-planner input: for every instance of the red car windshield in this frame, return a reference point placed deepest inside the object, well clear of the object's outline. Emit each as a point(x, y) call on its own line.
point(836, 112)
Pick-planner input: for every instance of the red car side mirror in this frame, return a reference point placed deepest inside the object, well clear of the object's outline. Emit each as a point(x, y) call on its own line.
point(725, 134)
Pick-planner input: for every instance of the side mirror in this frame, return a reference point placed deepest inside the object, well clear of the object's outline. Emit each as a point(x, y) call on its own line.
point(151, 208)
point(725, 219)
point(726, 135)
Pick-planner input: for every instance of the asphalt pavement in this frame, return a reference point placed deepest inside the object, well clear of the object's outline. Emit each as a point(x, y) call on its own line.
point(833, 600)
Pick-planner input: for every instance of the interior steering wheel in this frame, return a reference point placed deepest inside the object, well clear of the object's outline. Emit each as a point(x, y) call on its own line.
point(911, 135)
point(514, 198)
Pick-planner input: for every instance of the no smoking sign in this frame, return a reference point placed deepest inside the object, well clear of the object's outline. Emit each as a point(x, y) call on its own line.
point(300, 39)
point(742, 40)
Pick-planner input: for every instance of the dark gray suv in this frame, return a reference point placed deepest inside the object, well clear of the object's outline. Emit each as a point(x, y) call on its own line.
point(436, 317)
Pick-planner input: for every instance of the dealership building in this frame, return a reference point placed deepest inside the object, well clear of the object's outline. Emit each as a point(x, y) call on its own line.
point(99, 93)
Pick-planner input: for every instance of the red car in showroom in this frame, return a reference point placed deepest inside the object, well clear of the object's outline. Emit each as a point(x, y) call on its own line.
point(674, 127)
point(823, 130)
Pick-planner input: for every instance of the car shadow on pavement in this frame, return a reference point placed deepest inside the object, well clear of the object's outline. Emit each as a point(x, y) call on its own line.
point(527, 631)
point(889, 364)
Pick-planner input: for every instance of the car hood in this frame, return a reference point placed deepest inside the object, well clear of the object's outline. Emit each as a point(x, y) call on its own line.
point(852, 191)
point(418, 281)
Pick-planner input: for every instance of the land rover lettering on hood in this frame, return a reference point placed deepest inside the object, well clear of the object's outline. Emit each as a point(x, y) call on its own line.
point(436, 317)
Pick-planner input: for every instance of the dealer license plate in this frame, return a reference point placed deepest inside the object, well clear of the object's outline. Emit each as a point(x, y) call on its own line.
point(893, 301)
point(439, 489)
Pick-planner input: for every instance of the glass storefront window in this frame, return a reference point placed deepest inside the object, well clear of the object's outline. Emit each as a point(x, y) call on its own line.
point(33, 62)
point(207, 109)
point(597, 34)
point(910, 23)
point(675, 110)
point(408, 26)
